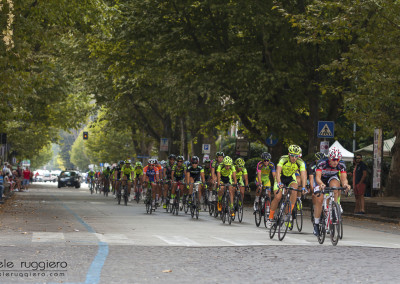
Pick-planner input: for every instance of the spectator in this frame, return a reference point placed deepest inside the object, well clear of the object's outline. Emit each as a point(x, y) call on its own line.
point(7, 184)
point(27, 175)
point(18, 177)
point(359, 176)
point(6, 169)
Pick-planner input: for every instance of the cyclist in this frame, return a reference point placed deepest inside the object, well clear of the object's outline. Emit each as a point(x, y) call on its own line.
point(208, 176)
point(214, 166)
point(137, 175)
point(151, 175)
point(106, 179)
point(127, 171)
point(264, 168)
point(178, 174)
point(90, 178)
point(241, 176)
point(117, 176)
point(311, 173)
point(193, 174)
point(226, 173)
point(160, 179)
point(167, 170)
point(330, 172)
point(286, 176)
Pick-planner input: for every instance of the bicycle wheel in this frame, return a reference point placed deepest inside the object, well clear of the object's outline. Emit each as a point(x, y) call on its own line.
point(137, 196)
point(223, 211)
point(126, 198)
point(267, 206)
point(341, 224)
point(230, 210)
point(185, 205)
point(148, 207)
point(210, 208)
point(192, 205)
point(176, 205)
point(240, 208)
point(119, 197)
point(284, 220)
point(215, 206)
point(272, 230)
point(257, 214)
point(197, 205)
point(299, 215)
point(334, 225)
point(322, 231)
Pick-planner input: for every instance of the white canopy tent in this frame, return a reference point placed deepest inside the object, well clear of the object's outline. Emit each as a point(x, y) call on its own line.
point(387, 147)
point(346, 155)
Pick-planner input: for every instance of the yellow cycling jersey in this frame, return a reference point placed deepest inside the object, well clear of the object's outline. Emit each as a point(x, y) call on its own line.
point(288, 168)
point(138, 171)
point(127, 170)
point(240, 174)
point(224, 172)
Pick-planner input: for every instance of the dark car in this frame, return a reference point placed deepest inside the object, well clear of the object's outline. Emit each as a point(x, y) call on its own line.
point(69, 178)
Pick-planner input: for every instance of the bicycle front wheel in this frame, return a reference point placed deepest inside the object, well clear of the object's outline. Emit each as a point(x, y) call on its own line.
point(334, 226)
point(257, 214)
point(267, 206)
point(284, 220)
point(322, 230)
point(240, 208)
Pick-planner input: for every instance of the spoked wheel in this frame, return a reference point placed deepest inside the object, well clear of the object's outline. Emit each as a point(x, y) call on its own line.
point(284, 221)
point(148, 207)
point(240, 209)
point(341, 224)
point(119, 197)
point(299, 215)
point(257, 214)
point(272, 230)
point(126, 198)
point(137, 196)
point(334, 225)
point(230, 210)
point(176, 206)
point(215, 209)
point(267, 206)
point(210, 208)
point(185, 206)
point(223, 212)
point(322, 231)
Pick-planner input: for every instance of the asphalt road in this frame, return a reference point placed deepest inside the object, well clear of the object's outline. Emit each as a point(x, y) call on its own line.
point(51, 235)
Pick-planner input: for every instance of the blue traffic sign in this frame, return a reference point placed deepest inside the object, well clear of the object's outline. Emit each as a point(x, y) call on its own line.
point(101, 164)
point(326, 129)
point(272, 140)
point(142, 157)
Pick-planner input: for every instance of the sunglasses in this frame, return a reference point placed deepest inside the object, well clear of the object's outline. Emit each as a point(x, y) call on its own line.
point(194, 163)
point(180, 161)
point(266, 160)
point(294, 156)
point(358, 158)
point(335, 160)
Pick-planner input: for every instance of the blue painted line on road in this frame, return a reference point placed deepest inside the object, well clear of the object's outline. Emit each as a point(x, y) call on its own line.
point(94, 272)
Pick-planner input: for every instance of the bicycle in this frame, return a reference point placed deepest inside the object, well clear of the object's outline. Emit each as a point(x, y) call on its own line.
point(195, 202)
point(138, 192)
point(91, 186)
point(167, 199)
point(331, 217)
point(148, 201)
point(284, 213)
point(175, 202)
point(106, 188)
point(226, 213)
point(124, 189)
point(263, 206)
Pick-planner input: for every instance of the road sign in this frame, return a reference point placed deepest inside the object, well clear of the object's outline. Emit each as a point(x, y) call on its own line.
point(326, 129)
point(206, 157)
point(143, 157)
point(324, 147)
point(85, 135)
point(206, 149)
point(164, 144)
point(101, 165)
point(242, 147)
point(272, 140)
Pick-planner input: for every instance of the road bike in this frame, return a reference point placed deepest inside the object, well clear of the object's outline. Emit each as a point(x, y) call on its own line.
point(331, 216)
point(123, 192)
point(148, 200)
point(227, 209)
point(175, 201)
point(238, 204)
point(194, 200)
point(282, 220)
point(297, 215)
point(263, 206)
point(106, 188)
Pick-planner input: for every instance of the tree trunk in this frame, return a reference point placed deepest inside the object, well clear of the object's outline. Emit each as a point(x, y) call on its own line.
point(313, 102)
point(393, 184)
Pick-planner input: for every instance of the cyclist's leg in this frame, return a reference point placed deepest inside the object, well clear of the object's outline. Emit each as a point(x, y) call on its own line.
point(275, 201)
point(258, 193)
point(333, 182)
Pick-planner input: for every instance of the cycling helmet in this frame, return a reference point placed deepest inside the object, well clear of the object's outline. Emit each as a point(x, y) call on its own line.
point(138, 164)
point(128, 162)
point(227, 161)
point(294, 149)
point(334, 153)
point(152, 162)
point(207, 161)
point(172, 156)
point(163, 163)
point(121, 162)
point(187, 163)
point(266, 156)
point(239, 162)
point(194, 160)
point(179, 158)
point(319, 156)
point(155, 161)
point(220, 154)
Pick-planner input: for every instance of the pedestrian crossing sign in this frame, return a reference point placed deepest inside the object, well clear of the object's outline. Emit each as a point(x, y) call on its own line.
point(326, 129)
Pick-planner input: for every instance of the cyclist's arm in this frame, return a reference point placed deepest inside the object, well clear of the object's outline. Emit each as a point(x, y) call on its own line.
point(234, 177)
point(202, 176)
point(303, 175)
point(259, 176)
point(343, 180)
point(218, 178)
point(311, 179)
point(278, 174)
point(318, 180)
point(187, 177)
point(246, 180)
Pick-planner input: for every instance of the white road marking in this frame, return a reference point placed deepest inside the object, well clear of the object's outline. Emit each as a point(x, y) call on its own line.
point(42, 237)
point(177, 240)
point(115, 239)
point(241, 242)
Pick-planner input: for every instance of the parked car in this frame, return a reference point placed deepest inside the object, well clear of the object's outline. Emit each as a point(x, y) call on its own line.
point(49, 177)
point(69, 178)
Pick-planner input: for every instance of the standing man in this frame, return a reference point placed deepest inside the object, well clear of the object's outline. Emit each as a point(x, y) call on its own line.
point(27, 176)
point(359, 176)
